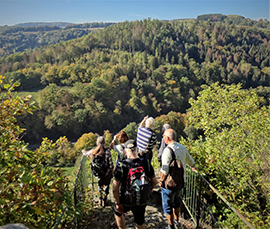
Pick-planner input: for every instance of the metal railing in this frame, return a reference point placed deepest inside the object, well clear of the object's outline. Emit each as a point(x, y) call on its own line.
point(78, 191)
point(196, 197)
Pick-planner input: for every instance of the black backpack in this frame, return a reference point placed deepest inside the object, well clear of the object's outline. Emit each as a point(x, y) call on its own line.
point(98, 166)
point(175, 179)
point(138, 186)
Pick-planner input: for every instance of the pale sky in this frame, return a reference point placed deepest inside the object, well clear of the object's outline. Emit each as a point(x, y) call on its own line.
point(77, 11)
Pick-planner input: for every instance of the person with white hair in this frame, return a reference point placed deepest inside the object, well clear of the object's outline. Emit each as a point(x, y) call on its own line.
point(146, 138)
point(162, 143)
point(171, 199)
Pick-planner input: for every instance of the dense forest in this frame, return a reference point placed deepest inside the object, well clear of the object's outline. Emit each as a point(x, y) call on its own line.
point(208, 77)
point(112, 77)
point(27, 36)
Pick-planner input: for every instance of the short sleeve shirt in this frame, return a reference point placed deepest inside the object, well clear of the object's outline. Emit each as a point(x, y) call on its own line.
point(145, 136)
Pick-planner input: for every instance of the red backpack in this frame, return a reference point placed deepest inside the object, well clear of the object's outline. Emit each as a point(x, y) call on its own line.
point(138, 187)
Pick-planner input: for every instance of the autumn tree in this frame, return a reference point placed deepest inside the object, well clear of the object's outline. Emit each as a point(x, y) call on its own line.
point(86, 140)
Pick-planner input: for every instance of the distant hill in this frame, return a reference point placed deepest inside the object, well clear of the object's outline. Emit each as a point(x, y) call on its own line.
point(235, 19)
point(59, 24)
point(25, 36)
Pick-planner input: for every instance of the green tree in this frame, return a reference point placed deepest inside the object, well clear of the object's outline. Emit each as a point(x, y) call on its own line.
point(235, 152)
point(131, 130)
point(86, 140)
point(108, 137)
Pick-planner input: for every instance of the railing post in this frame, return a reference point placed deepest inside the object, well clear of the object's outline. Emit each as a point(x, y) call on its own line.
point(75, 205)
point(92, 181)
point(199, 204)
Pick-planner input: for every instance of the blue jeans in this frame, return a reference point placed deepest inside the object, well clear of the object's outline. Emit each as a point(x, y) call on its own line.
point(170, 200)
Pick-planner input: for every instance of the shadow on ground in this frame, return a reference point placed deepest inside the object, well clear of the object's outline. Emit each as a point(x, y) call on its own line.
point(103, 217)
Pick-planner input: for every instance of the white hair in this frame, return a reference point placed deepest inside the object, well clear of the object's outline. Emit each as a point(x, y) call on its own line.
point(150, 122)
point(166, 126)
point(171, 134)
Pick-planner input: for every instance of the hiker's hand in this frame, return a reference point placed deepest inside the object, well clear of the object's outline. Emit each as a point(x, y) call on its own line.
point(194, 169)
point(87, 153)
point(120, 208)
point(161, 184)
point(146, 117)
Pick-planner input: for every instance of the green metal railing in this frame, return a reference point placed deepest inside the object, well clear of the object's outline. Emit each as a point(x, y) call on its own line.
point(78, 191)
point(200, 209)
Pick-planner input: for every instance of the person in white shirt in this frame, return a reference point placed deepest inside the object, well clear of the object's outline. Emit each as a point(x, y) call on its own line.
point(171, 200)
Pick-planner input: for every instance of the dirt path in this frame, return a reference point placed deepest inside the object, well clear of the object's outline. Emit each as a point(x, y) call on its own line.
point(103, 218)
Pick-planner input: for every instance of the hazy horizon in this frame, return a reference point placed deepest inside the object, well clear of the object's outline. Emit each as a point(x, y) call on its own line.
point(71, 11)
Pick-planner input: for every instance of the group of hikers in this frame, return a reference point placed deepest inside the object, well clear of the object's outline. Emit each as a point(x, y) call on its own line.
point(134, 176)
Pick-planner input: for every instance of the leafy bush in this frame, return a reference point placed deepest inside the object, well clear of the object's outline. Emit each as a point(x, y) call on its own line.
point(30, 193)
point(235, 152)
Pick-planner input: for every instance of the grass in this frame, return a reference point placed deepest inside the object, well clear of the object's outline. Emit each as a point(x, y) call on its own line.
point(69, 171)
point(34, 94)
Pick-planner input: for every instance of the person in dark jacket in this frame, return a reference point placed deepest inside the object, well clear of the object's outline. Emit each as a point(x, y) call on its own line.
point(122, 204)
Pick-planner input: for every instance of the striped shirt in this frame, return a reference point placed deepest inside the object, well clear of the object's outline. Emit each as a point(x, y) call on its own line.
point(145, 135)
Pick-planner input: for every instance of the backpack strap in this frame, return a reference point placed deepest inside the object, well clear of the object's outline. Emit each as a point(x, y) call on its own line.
point(172, 153)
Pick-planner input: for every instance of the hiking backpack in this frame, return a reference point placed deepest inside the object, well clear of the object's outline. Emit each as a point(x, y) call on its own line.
point(138, 187)
point(98, 166)
point(175, 179)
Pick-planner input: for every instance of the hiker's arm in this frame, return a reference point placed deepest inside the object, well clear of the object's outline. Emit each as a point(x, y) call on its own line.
point(119, 206)
point(143, 121)
point(166, 161)
point(162, 179)
point(189, 160)
point(116, 186)
point(112, 143)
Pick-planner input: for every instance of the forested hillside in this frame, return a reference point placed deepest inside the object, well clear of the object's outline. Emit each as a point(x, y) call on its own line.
point(117, 75)
point(27, 36)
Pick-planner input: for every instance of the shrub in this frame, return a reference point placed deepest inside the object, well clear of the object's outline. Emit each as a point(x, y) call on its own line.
point(30, 193)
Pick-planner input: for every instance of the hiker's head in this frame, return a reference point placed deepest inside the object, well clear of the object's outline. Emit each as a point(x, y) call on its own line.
point(169, 135)
point(122, 137)
point(131, 148)
point(100, 140)
point(149, 123)
point(165, 127)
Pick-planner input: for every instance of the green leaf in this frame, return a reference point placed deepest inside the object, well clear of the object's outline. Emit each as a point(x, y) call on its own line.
point(6, 86)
